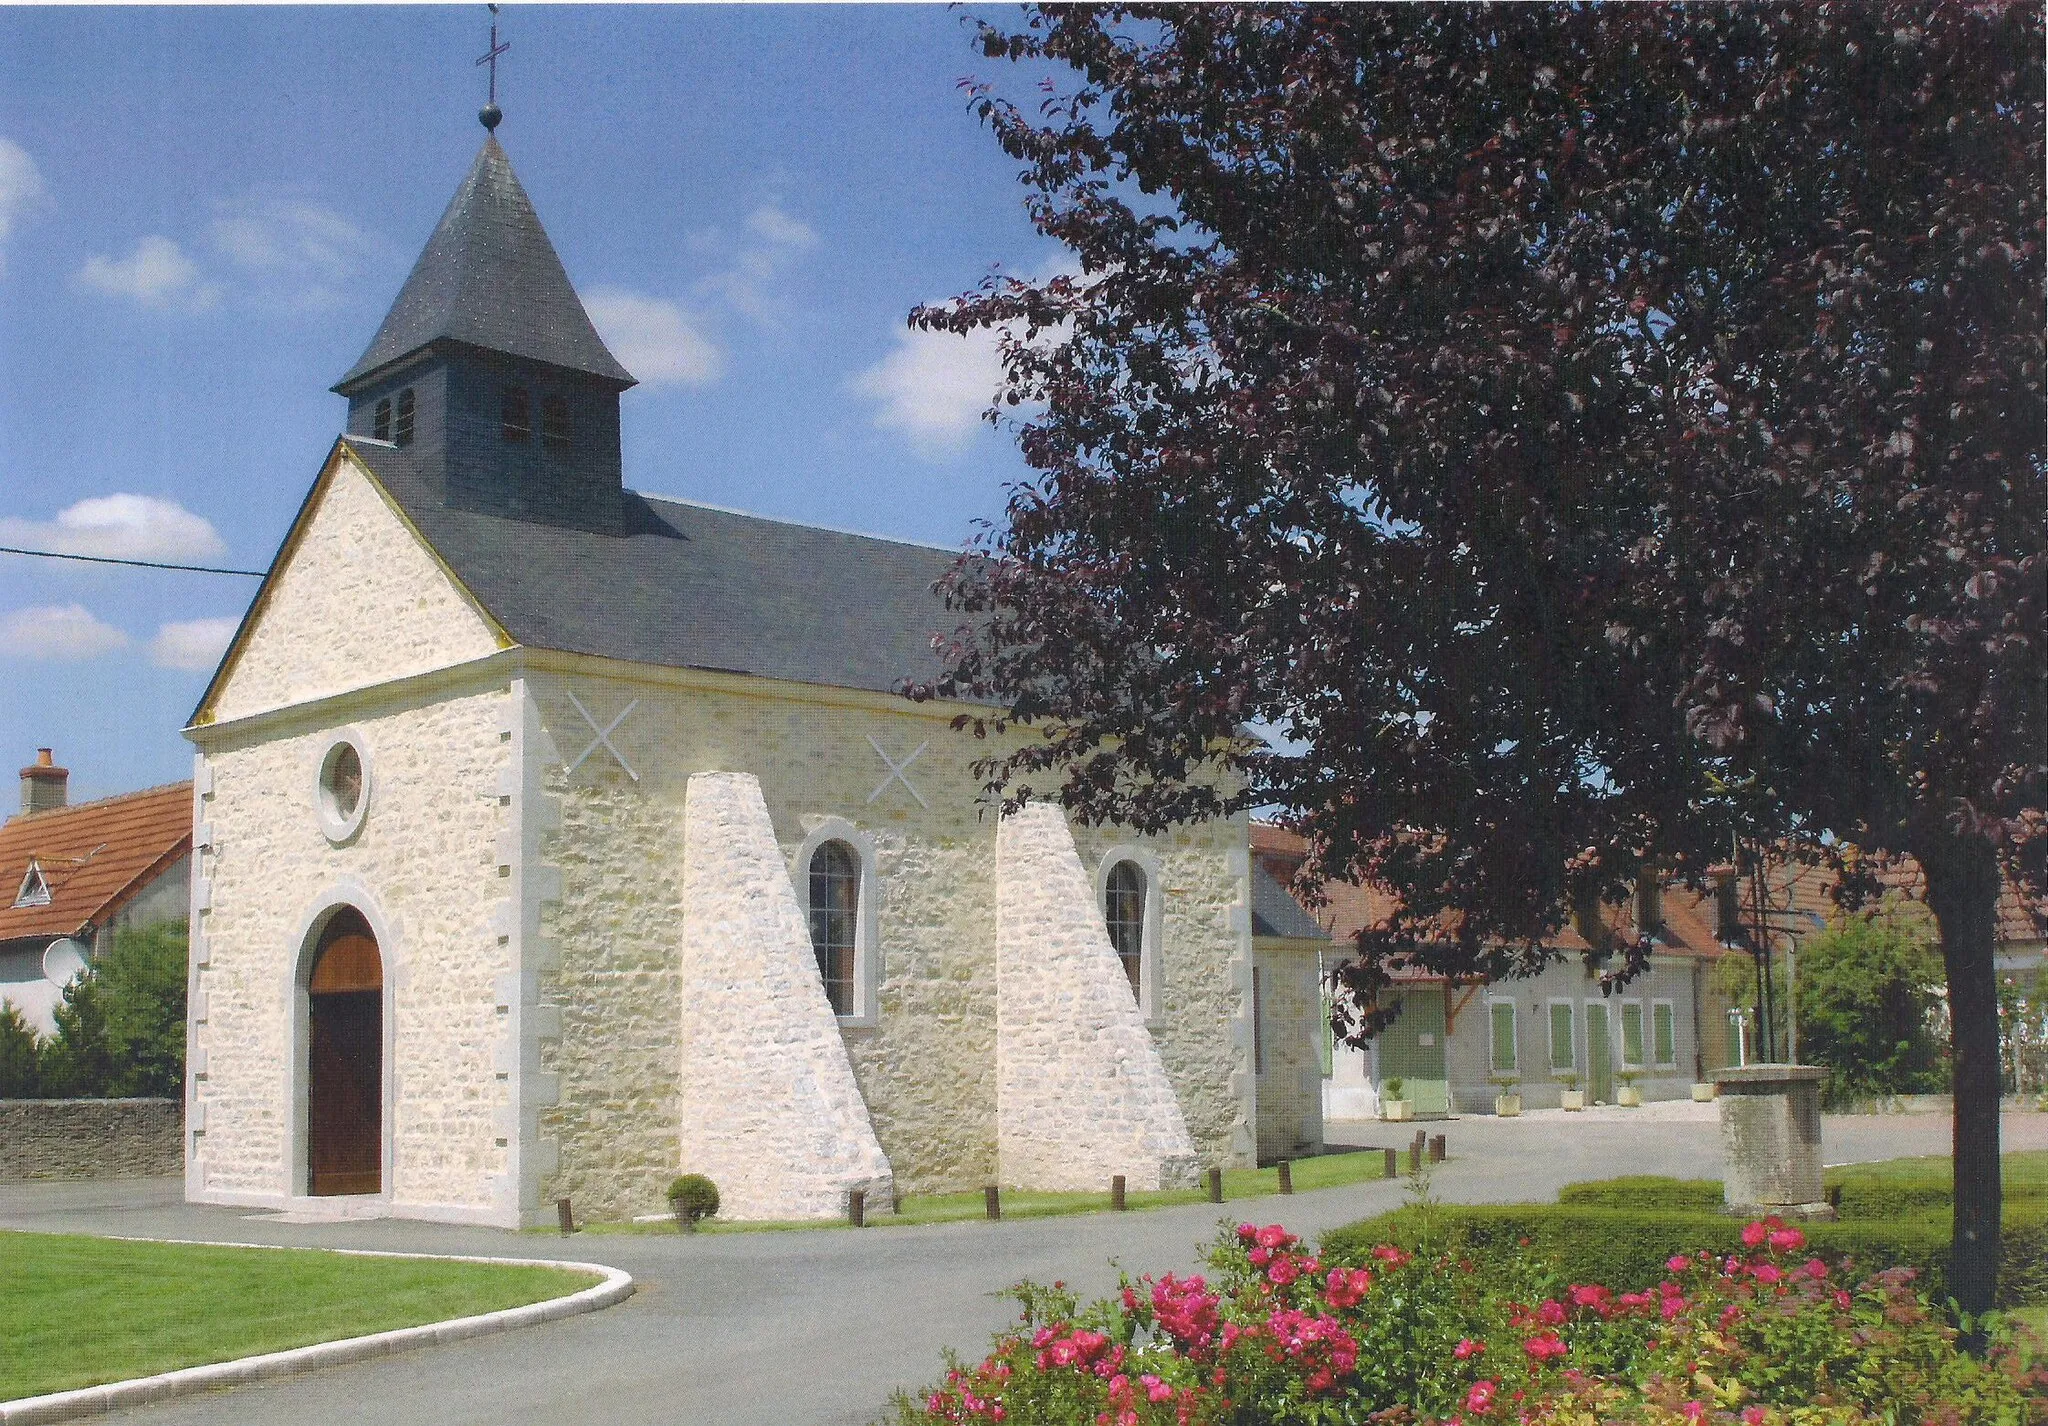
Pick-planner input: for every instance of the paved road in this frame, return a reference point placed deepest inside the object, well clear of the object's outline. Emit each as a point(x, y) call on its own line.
point(791, 1329)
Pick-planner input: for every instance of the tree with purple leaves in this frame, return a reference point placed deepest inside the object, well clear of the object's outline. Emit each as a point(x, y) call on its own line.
point(1531, 446)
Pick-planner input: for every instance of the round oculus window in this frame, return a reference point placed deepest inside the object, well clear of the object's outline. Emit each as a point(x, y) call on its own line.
point(344, 792)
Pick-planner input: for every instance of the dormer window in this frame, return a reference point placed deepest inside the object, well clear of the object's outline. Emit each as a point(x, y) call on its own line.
point(35, 888)
point(401, 431)
point(381, 427)
point(515, 414)
point(554, 423)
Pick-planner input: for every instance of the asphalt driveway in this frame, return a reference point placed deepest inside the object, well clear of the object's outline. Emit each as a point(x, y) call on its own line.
point(820, 1327)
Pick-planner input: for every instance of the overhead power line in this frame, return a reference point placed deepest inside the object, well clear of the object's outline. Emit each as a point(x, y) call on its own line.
point(137, 564)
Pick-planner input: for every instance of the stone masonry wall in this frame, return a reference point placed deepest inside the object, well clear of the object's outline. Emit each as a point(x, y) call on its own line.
point(770, 1109)
point(1081, 1092)
point(427, 869)
point(89, 1138)
point(361, 602)
point(1290, 1031)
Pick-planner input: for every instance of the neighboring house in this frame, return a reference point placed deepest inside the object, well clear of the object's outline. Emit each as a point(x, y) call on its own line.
point(71, 876)
point(557, 839)
point(1451, 1043)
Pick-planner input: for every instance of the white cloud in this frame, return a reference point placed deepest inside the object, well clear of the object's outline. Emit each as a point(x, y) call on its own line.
point(655, 340)
point(748, 283)
point(64, 632)
point(295, 253)
point(157, 274)
point(136, 527)
point(191, 644)
point(775, 226)
point(21, 188)
point(934, 387)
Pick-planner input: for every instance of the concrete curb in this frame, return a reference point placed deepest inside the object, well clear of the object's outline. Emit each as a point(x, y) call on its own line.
point(112, 1396)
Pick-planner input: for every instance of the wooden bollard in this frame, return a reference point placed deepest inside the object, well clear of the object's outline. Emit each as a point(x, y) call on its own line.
point(1215, 1185)
point(568, 1219)
point(1421, 1138)
point(993, 1198)
point(1116, 1193)
point(1415, 1157)
point(1436, 1149)
point(857, 1207)
point(1286, 1176)
point(1393, 1163)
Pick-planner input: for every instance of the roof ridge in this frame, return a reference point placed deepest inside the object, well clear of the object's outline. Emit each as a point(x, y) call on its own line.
point(45, 816)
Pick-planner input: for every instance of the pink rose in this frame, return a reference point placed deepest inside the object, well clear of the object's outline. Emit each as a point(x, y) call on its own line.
point(1551, 1312)
point(1467, 1349)
point(1678, 1262)
point(1787, 1240)
point(1694, 1410)
point(1767, 1273)
point(1274, 1236)
point(1480, 1397)
point(1754, 1234)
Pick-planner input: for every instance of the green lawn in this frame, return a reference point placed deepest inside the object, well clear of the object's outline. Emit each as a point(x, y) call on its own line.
point(1324, 1171)
point(77, 1311)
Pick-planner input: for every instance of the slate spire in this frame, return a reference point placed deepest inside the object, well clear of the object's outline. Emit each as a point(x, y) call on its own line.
point(490, 279)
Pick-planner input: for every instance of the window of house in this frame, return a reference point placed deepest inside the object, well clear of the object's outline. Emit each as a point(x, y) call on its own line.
point(1664, 1031)
point(35, 888)
point(515, 415)
point(1501, 1024)
point(835, 919)
point(1563, 1052)
point(1123, 913)
point(1632, 1034)
point(380, 426)
point(554, 423)
point(401, 430)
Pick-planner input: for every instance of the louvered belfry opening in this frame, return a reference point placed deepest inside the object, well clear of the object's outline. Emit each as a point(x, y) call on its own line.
point(345, 1061)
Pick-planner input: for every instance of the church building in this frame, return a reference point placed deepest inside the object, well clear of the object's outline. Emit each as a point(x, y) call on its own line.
point(552, 840)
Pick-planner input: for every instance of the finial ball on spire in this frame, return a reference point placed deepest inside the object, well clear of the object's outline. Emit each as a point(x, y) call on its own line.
point(489, 116)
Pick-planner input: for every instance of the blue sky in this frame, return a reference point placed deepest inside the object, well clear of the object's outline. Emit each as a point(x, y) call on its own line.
point(204, 213)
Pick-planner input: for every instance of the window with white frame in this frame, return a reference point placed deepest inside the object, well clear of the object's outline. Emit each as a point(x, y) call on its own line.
point(1127, 889)
point(1500, 1023)
point(35, 887)
point(834, 872)
point(1664, 1033)
point(1632, 1034)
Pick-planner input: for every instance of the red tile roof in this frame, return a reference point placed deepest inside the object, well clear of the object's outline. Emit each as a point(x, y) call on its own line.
point(94, 856)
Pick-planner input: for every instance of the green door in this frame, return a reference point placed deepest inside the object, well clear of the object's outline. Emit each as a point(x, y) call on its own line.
point(1412, 1051)
point(1599, 1056)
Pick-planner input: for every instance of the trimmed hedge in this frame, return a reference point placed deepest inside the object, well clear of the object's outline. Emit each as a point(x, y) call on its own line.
point(1690, 1195)
point(1863, 1195)
point(1627, 1247)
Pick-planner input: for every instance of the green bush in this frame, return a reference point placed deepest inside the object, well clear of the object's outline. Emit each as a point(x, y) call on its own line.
point(693, 1196)
point(1630, 1244)
point(20, 1076)
point(1866, 996)
point(121, 1026)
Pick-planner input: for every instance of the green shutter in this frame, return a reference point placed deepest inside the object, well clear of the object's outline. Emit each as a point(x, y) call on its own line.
point(1561, 1054)
point(1631, 1034)
point(1504, 1059)
point(1665, 1028)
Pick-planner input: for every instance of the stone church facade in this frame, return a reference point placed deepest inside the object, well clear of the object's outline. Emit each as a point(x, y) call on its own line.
point(552, 840)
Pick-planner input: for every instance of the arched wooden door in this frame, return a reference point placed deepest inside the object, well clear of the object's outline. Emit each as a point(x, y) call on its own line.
point(345, 1061)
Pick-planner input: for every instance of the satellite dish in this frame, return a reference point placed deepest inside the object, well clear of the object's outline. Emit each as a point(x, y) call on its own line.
point(63, 961)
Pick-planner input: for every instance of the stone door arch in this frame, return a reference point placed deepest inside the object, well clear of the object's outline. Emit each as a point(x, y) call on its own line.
point(345, 1060)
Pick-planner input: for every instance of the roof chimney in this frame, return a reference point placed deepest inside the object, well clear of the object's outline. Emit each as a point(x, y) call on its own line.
point(44, 785)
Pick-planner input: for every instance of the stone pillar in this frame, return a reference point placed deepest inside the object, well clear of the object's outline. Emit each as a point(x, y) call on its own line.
point(770, 1108)
point(1770, 1140)
point(1081, 1092)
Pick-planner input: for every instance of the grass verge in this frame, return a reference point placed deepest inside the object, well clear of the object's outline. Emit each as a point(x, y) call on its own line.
point(79, 1311)
point(1324, 1171)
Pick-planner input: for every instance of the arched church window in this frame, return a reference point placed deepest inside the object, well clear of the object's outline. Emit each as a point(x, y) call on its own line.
point(401, 432)
point(515, 415)
point(554, 423)
point(380, 428)
point(1123, 913)
point(835, 919)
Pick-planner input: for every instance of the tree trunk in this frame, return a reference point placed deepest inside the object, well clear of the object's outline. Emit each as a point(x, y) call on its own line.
point(1962, 892)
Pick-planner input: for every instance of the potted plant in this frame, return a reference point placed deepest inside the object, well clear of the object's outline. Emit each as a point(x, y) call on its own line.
point(1571, 1097)
point(1507, 1099)
point(1628, 1096)
point(1703, 1092)
point(1392, 1105)
point(692, 1197)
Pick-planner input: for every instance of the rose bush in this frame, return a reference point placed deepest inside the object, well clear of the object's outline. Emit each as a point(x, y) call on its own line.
point(1772, 1336)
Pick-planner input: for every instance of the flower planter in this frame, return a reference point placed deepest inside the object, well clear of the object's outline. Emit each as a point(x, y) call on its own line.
point(1397, 1110)
point(1703, 1094)
point(1571, 1100)
point(1629, 1097)
point(1507, 1106)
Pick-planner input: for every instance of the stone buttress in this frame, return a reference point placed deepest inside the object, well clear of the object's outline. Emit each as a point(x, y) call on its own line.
point(1081, 1092)
point(770, 1110)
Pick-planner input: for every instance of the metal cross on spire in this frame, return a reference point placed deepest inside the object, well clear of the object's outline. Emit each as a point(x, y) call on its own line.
point(490, 115)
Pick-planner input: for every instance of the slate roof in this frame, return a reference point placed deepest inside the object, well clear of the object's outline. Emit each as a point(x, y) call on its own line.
point(1276, 913)
point(94, 855)
point(490, 278)
point(691, 586)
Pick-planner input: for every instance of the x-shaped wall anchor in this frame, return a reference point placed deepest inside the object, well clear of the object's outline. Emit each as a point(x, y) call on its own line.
point(896, 772)
point(604, 735)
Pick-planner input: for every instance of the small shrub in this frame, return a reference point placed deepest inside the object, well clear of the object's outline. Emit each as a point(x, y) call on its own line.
point(693, 1197)
point(1395, 1086)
